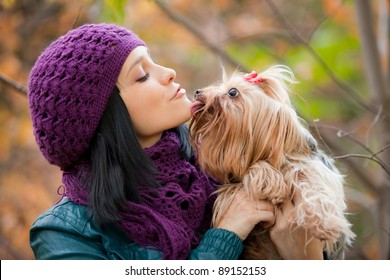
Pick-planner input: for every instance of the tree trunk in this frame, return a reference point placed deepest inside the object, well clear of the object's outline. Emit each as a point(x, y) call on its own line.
point(376, 78)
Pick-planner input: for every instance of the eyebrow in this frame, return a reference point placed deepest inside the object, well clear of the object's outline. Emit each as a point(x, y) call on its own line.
point(138, 60)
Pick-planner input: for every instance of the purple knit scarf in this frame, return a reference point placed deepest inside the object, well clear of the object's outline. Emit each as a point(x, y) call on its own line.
point(173, 220)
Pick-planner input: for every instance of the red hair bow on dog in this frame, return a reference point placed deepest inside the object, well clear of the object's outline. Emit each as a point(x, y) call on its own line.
point(253, 78)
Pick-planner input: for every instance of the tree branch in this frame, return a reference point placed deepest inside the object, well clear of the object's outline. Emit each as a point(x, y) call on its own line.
point(383, 37)
point(321, 21)
point(11, 83)
point(370, 51)
point(299, 39)
point(381, 150)
point(374, 155)
point(354, 167)
point(381, 95)
point(365, 157)
point(198, 34)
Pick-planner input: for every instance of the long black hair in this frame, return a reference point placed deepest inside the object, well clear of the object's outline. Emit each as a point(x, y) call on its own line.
point(119, 164)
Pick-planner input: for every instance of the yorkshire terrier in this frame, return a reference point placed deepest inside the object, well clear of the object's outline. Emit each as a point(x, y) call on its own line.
point(248, 136)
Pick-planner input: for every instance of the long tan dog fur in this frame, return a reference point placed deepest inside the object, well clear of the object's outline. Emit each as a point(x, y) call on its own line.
point(249, 137)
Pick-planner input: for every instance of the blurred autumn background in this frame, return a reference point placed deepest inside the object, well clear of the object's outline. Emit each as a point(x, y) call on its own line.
point(339, 51)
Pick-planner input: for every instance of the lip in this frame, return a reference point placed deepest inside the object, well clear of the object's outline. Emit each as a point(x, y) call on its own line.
point(179, 93)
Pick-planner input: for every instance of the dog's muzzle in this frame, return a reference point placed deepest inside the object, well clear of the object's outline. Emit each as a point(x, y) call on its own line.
point(197, 93)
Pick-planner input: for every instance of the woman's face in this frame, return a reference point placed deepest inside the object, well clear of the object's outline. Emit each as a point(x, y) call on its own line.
point(154, 101)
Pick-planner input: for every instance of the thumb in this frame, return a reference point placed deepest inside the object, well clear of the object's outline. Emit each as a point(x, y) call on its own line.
point(267, 219)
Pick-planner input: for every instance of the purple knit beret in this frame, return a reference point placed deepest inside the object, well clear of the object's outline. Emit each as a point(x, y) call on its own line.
point(69, 87)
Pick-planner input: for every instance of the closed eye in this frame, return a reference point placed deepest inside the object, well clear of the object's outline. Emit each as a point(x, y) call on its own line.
point(143, 78)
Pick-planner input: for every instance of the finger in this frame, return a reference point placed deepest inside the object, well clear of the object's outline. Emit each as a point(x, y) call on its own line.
point(267, 218)
point(265, 205)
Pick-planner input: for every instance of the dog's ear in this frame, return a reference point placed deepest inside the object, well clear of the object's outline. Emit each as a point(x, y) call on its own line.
point(274, 82)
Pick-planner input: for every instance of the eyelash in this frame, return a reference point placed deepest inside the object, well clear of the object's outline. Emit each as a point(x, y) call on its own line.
point(143, 79)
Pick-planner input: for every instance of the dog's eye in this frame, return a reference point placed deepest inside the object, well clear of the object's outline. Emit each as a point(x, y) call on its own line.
point(233, 92)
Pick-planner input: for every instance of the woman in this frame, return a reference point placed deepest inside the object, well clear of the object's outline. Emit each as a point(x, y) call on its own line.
point(112, 120)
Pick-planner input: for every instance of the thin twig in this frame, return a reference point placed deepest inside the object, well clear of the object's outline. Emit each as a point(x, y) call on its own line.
point(15, 85)
point(197, 33)
point(362, 176)
point(314, 123)
point(348, 135)
point(374, 122)
point(299, 39)
point(381, 150)
point(322, 21)
point(365, 157)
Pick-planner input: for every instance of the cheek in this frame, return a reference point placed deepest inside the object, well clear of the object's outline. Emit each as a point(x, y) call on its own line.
point(135, 106)
point(145, 112)
point(152, 113)
point(138, 100)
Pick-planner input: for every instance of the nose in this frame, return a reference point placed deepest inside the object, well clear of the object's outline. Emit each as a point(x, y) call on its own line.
point(198, 92)
point(169, 75)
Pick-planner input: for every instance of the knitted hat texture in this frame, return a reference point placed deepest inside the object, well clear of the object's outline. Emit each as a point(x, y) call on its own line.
point(69, 87)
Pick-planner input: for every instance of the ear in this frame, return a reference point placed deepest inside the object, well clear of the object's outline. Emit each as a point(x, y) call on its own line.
point(263, 181)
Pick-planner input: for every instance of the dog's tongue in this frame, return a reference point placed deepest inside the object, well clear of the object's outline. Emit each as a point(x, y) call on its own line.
point(196, 106)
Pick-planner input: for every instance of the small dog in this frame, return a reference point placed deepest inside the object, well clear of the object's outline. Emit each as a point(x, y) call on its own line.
point(248, 136)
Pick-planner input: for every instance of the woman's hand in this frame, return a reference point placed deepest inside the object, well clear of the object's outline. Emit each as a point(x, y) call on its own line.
point(292, 242)
point(243, 214)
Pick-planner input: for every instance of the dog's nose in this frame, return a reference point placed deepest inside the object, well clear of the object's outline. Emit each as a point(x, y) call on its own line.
point(197, 92)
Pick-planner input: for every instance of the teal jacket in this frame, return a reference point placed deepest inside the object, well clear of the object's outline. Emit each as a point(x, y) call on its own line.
point(68, 231)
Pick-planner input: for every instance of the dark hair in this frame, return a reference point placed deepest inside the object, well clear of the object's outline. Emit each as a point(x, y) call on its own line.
point(119, 164)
